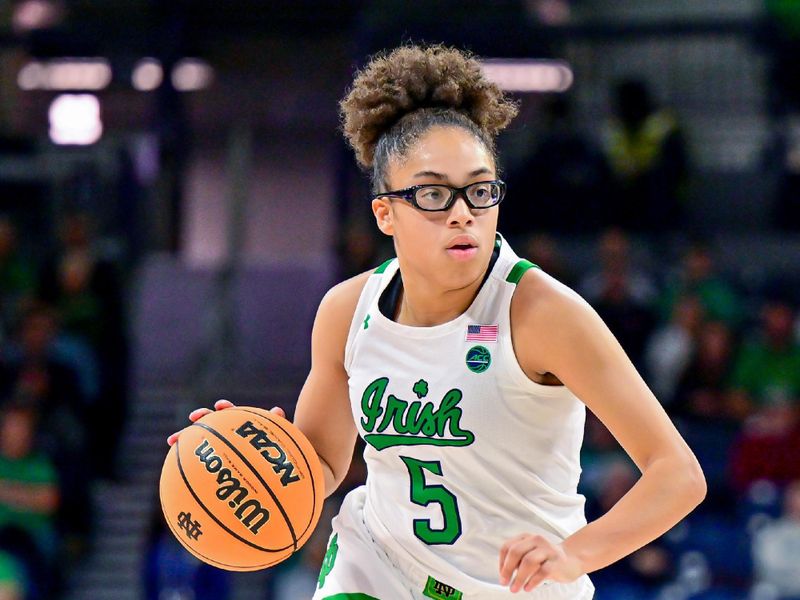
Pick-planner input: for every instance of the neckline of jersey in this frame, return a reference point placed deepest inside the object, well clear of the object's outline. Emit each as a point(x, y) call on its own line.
point(442, 328)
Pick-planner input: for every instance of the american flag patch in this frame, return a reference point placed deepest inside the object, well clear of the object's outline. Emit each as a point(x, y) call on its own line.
point(481, 333)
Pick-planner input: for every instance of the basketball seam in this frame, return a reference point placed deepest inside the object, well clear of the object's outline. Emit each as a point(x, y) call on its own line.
point(210, 514)
point(305, 459)
point(203, 556)
point(256, 473)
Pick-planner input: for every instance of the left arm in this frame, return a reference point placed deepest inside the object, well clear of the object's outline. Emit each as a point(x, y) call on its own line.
point(559, 333)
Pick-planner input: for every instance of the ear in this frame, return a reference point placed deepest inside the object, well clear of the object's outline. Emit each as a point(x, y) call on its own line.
point(382, 209)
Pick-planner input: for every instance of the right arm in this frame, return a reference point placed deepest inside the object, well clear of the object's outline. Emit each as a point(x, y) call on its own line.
point(323, 411)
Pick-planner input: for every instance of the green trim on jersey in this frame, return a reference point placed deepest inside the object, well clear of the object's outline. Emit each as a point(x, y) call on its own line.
point(348, 596)
point(519, 270)
point(383, 267)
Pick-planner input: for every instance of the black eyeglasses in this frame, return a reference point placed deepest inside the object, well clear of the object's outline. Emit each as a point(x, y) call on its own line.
point(435, 197)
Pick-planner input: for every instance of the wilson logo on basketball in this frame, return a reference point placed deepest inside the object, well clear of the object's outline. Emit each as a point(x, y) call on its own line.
point(271, 451)
point(231, 490)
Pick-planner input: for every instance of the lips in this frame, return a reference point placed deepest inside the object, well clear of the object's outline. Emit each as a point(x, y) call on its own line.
point(462, 247)
point(462, 242)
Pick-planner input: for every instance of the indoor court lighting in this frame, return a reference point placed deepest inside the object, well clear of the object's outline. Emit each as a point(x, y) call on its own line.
point(147, 75)
point(32, 76)
point(191, 74)
point(66, 74)
point(520, 75)
point(75, 119)
point(29, 15)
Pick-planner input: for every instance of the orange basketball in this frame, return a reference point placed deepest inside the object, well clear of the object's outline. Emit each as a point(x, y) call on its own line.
point(242, 489)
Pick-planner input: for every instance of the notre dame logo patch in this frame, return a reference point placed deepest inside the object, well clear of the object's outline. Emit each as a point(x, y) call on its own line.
point(440, 591)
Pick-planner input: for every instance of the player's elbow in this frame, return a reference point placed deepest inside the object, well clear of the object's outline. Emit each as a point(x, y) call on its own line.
point(694, 486)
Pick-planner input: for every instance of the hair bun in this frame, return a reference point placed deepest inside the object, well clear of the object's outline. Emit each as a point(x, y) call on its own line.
point(411, 77)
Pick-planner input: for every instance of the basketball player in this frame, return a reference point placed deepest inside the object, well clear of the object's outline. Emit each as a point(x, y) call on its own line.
point(467, 371)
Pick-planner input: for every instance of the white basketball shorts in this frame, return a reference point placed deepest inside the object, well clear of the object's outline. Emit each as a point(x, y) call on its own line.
point(357, 568)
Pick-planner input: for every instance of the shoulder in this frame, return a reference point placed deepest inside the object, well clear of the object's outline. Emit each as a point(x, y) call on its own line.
point(546, 317)
point(540, 296)
point(334, 316)
point(341, 300)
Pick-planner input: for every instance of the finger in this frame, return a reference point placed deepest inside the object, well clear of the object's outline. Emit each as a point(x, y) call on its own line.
point(543, 573)
point(513, 557)
point(222, 404)
point(173, 438)
point(504, 549)
point(528, 566)
point(278, 411)
point(199, 413)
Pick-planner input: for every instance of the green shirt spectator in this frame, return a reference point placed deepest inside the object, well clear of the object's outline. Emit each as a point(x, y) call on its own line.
point(768, 374)
point(32, 473)
point(12, 583)
point(768, 368)
point(28, 481)
point(718, 298)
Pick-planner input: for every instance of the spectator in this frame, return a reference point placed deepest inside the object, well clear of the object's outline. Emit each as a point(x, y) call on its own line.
point(12, 580)
point(698, 277)
point(32, 371)
point(563, 185)
point(622, 295)
point(543, 250)
point(670, 348)
point(28, 497)
point(703, 389)
point(775, 548)
point(648, 158)
point(85, 287)
point(17, 275)
point(767, 448)
point(767, 371)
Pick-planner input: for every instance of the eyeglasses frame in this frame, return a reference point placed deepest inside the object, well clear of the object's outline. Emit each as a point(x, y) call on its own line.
point(409, 194)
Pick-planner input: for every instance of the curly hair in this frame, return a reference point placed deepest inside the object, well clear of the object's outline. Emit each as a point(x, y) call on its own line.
point(399, 95)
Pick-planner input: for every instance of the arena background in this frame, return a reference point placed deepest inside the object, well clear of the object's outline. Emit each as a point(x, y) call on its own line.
point(176, 198)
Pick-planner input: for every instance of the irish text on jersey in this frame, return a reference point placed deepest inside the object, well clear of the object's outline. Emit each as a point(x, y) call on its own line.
point(414, 423)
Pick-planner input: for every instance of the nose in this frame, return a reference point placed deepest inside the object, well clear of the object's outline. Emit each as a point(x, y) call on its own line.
point(460, 213)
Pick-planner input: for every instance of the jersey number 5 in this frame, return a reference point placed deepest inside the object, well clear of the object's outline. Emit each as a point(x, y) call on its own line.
point(423, 494)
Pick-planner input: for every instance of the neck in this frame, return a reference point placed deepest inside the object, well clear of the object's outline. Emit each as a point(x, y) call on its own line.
point(423, 305)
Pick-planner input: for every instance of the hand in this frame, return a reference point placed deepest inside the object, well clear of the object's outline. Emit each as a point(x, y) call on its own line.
point(535, 559)
point(199, 413)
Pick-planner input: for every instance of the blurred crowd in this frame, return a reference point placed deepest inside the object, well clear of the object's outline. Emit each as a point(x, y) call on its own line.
point(724, 360)
point(63, 359)
point(721, 355)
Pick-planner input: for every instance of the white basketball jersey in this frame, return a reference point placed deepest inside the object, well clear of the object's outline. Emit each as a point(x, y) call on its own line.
point(463, 450)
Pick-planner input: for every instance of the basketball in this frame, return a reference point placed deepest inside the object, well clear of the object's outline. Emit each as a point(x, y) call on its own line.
point(242, 489)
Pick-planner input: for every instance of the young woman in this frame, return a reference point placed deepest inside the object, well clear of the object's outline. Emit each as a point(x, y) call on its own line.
point(467, 371)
